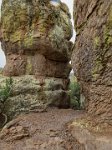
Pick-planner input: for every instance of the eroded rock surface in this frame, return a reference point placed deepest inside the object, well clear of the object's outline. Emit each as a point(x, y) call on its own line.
point(41, 131)
point(56, 129)
point(35, 36)
point(91, 137)
point(34, 32)
point(92, 56)
point(35, 95)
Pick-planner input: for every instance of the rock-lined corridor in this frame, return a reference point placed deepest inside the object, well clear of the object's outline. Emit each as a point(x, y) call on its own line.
point(35, 37)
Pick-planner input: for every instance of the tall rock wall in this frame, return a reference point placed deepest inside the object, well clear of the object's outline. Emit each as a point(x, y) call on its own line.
point(92, 56)
point(35, 36)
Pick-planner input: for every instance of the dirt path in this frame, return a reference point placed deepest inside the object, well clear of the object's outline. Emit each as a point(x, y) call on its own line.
point(41, 131)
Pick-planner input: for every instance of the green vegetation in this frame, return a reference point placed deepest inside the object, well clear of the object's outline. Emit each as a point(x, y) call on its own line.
point(74, 93)
point(6, 91)
point(1, 69)
point(96, 41)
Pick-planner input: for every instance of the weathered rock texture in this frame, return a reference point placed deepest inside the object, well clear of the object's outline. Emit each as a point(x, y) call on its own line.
point(48, 131)
point(92, 56)
point(35, 37)
point(35, 32)
point(41, 131)
point(91, 137)
point(34, 95)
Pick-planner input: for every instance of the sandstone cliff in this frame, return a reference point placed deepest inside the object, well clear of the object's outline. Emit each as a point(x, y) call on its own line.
point(92, 56)
point(37, 50)
point(35, 37)
point(35, 32)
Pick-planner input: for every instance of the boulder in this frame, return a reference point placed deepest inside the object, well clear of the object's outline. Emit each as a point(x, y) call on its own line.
point(35, 36)
point(30, 27)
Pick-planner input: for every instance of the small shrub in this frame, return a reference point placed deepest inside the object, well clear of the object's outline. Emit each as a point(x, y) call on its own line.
point(1, 69)
point(74, 88)
point(5, 91)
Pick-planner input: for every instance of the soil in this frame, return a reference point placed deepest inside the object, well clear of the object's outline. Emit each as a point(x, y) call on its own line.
point(41, 131)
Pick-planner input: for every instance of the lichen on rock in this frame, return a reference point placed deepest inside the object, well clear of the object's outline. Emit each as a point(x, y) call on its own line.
point(35, 37)
point(92, 56)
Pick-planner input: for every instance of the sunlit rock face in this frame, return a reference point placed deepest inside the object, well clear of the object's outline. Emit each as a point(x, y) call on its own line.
point(35, 36)
point(92, 56)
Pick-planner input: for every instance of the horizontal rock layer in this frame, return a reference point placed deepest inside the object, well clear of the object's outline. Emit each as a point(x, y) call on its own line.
point(36, 27)
point(29, 94)
point(35, 37)
point(36, 65)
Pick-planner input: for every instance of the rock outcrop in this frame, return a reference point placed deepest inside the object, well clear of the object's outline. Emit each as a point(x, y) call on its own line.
point(35, 36)
point(35, 32)
point(29, 94)
point(92, 56)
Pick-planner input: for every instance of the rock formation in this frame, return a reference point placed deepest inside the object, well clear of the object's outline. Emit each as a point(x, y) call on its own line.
point(54, 130)
point(92, 56)
point(35, 37)
point(40, 131)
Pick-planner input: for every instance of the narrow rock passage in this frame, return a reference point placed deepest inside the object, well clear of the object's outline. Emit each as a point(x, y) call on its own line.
point(41, 131)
